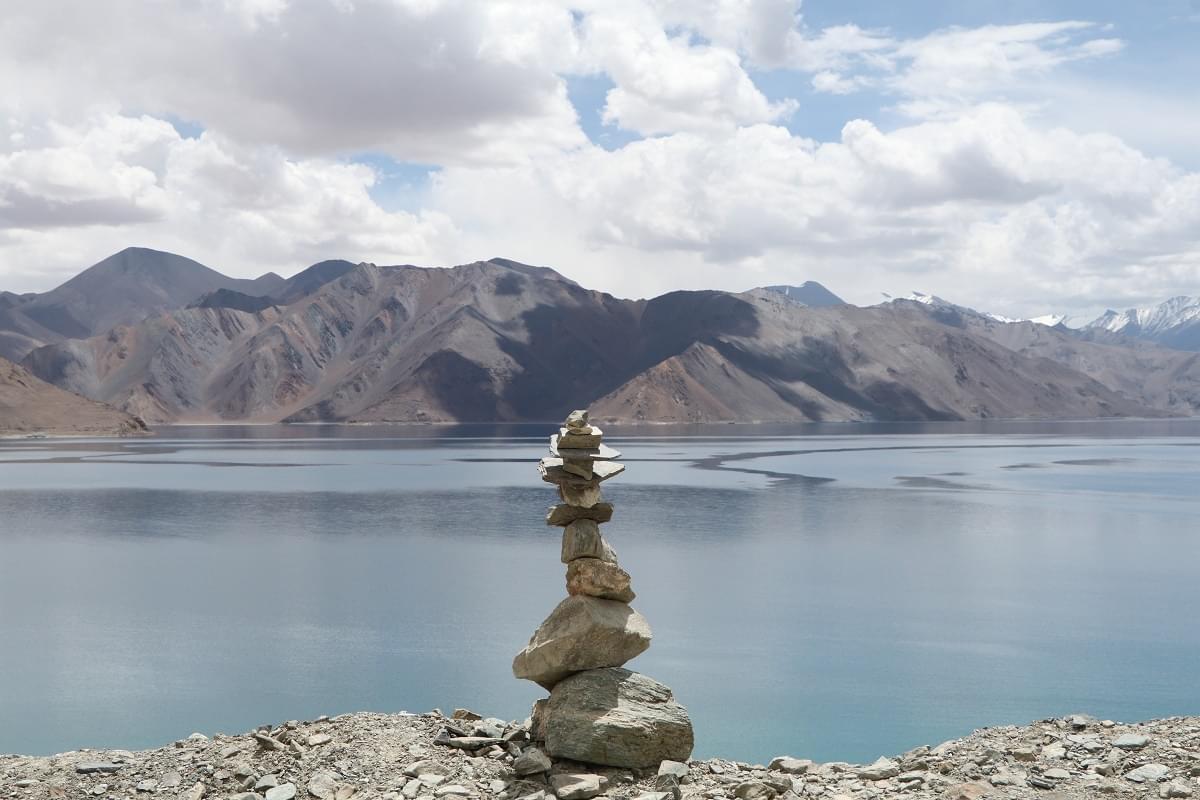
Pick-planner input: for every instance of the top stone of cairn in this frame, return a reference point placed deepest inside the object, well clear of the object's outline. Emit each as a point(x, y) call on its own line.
point(577, 422)
point(577, 433)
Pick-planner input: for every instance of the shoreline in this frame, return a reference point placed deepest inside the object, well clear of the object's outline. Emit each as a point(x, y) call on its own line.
point(372, 756)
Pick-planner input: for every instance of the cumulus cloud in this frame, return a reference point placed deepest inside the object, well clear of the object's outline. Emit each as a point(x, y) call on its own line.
point(437, 82)
point(982, 192)
point(990, 207)
point(84, 191)
point(667, 83)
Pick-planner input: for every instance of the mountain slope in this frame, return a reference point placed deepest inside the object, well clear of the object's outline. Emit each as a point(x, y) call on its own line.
point(29, 405)
point(809, 293)
point(1174, 323)
point(1157, 377)
point(847, 363)
point(129, 286)
point(499, 341)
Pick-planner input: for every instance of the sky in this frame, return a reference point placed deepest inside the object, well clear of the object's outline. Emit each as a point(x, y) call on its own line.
point(1019, 157)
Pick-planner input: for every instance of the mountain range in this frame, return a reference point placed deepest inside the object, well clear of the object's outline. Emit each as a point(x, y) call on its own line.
point(1174, 323)
point(166, 339)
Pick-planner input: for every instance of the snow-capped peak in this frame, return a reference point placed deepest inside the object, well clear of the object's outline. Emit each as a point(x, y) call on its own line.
point(1173, 313)
point(934, 301)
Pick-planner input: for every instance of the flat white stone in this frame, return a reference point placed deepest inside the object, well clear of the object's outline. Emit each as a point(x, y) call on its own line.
point(552, 471)
point(601, 453)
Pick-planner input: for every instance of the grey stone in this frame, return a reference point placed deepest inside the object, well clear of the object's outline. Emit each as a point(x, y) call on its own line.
point(582, 633)
point(537, 720)
point(268, 743)
point(323, 785)
point(170, 780)
point(1056, 750)
point(578, 420)
point(1131, 741)
point(579, 467)
point(471, 742)
point(677, 769)
point(582, 539)
point(1057, 774)
point(617, 718)
point(792, 766)
point(1147, 773)
point(584, 496)
point(284, 791)
point(668, 784)
point(318, 739)
point(247, 796)
point(268, 781)
point(1024, 754)
point(753, 790)
point(194, 793)
point(882, 768)
point(452, 790)
point(601, 453)
point(96, 767)
point(490, 727)
point(426, 767)
point(577, 440)
point(531, 761)
point(1175, 788)
point(575, 786)
point(552, 471)
point(595, 577)
point(563, 514)
point(147, 785)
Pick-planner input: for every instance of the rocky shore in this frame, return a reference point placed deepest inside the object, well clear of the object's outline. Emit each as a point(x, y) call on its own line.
point(369, 756)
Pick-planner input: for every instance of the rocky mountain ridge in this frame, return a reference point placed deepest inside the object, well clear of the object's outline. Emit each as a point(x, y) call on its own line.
point(502, 341)
point(1174, 323)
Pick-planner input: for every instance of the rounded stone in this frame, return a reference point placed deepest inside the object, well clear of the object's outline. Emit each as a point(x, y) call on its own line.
point(617, 718)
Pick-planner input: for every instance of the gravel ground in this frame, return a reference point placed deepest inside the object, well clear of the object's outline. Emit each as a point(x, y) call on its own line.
point(370, 756)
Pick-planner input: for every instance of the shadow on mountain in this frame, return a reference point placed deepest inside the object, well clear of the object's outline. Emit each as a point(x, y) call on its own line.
point(592, 348)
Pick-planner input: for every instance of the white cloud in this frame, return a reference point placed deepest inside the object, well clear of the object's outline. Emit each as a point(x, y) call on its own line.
point(987, 195)
point(438, 82)
point(115, 181)
point(987, 207)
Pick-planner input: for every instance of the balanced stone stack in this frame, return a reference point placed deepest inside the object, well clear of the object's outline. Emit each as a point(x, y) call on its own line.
point(597, 712)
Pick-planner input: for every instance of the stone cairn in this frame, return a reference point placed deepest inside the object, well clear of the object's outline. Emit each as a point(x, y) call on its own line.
point(597, 712)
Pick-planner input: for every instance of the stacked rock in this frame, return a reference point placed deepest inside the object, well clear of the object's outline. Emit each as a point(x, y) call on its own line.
point(597, 712)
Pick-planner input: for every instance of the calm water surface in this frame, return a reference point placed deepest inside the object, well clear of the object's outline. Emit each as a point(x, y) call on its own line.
point(832, 592)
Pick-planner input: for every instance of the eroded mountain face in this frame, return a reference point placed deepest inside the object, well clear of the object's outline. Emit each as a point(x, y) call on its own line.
point(501, 341)
point(30, 405)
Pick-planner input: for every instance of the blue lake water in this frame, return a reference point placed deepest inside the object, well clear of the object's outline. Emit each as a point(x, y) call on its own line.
point(831, 592)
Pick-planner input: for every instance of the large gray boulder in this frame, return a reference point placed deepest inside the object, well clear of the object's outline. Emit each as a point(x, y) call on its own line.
point(582, 633)
point(617, 718)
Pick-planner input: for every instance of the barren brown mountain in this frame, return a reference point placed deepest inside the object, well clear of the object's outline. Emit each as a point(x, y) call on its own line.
point(30, 405)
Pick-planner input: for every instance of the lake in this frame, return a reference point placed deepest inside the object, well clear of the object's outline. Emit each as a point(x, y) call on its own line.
point(835, 592)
